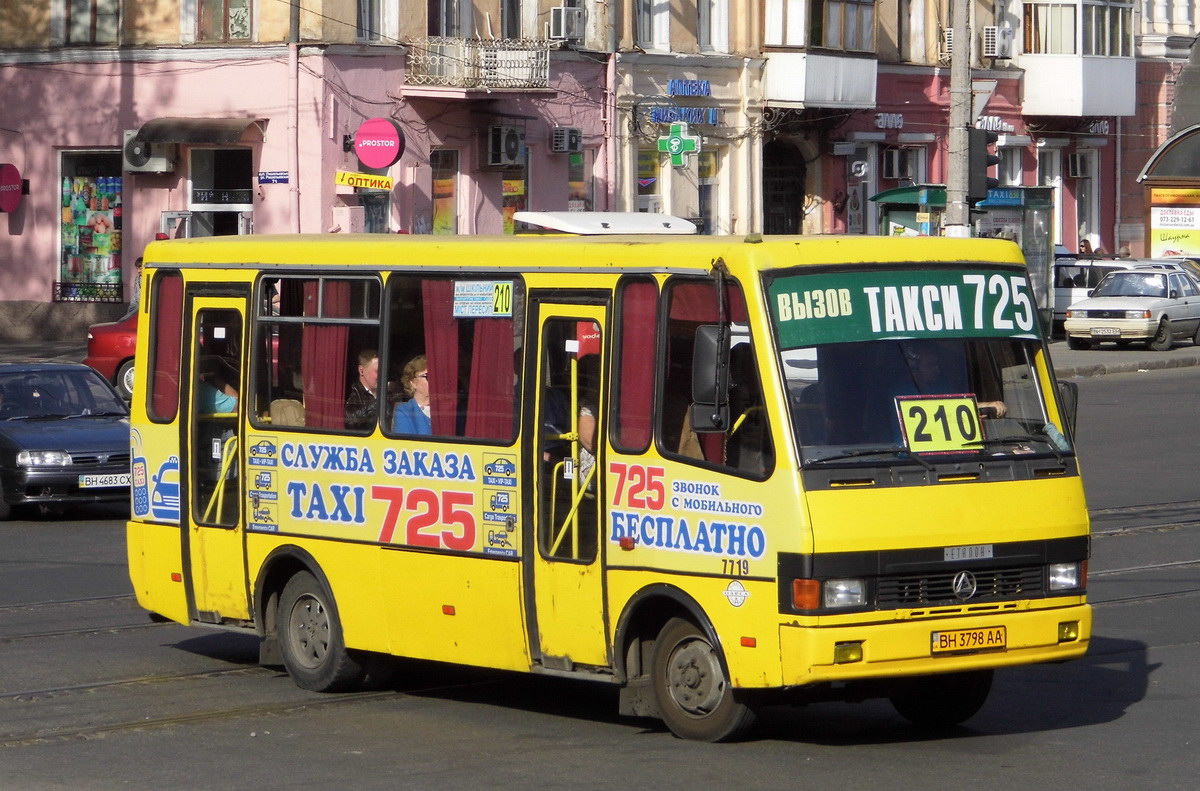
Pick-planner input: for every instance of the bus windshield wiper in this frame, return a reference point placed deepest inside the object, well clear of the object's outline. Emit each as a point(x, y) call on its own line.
point(1017, 438)
point(898, 450)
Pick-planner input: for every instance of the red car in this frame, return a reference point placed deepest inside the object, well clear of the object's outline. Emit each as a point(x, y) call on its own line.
point(110, 352)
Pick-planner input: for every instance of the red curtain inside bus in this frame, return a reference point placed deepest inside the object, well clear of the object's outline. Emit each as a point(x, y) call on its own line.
point(490, 403)
point(635, 399)
point(168, 344)
point(323, 359)
point(441, 354)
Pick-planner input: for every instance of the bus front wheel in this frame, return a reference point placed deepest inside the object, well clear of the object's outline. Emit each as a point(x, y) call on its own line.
point(694, 697)
point(314, 652)
point(943, 701)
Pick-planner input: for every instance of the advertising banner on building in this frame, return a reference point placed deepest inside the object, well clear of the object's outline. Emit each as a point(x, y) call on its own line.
point(1174, 222)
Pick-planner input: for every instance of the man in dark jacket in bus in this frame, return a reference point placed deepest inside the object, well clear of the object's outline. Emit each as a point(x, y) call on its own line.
point(361, 401)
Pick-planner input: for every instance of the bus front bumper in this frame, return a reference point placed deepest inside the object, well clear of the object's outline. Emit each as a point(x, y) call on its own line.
point(814, 655)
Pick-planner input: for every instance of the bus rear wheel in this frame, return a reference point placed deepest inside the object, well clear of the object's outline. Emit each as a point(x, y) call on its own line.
point(943, 701)
point(694, 697)
point(314, 652)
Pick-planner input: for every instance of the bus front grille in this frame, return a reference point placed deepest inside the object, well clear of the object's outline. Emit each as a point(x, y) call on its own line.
point(919, 590)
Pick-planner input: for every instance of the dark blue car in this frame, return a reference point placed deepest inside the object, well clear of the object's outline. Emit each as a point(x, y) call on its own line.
point(64, 437)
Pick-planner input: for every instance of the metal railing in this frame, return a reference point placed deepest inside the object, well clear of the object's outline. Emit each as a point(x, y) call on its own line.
point(479, 63)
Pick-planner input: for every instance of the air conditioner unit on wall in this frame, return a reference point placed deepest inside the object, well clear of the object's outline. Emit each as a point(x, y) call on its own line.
point(566, 23)
point(566, 140)
point(946, 45)
point(997, 42)
point(504, 145)
point(1077, 166)
point(139, 156)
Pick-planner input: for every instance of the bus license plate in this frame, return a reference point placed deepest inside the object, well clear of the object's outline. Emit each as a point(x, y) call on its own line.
point(103, 481)
point(1105, 331)
point(989, 638)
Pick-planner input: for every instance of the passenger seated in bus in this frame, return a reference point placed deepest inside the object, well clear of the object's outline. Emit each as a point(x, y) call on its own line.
point(214, 394)
point(362, 401)
point(412, 416)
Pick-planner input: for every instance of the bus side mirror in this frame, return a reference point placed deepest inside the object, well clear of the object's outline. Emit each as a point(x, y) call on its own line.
point(710, 381)
point(1068, 399)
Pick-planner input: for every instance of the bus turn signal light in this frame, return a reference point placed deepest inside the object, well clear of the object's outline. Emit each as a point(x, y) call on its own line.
point(806, 594)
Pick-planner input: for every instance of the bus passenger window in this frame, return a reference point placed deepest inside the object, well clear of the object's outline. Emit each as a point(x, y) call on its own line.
point(636, 350)
point(467, 331)
point(308, 335)
point(745, 447)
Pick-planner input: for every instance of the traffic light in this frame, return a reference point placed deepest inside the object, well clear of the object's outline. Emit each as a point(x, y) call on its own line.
point(979, 162)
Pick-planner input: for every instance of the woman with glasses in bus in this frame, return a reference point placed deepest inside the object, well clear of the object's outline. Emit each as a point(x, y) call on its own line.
point(412, 416)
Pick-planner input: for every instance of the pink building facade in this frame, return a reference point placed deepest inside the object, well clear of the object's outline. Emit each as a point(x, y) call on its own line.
point(255, 143)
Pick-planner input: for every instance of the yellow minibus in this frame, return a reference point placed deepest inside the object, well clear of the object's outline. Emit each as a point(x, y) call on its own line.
point(715, 472)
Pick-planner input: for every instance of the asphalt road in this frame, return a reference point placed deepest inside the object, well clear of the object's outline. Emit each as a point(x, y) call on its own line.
point(94, 696)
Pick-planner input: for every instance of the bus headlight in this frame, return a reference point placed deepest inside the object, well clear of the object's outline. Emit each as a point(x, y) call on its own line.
point(43, 458)
point(1067, 576)
point(845, 593)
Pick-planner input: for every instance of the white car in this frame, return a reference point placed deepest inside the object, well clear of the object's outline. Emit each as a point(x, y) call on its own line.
point(1158, 305)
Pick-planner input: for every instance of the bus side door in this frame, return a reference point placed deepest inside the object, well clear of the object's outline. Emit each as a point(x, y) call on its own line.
point(563, 575)
point(211, 468)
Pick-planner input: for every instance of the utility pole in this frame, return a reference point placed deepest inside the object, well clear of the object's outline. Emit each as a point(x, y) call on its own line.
point(958, 210)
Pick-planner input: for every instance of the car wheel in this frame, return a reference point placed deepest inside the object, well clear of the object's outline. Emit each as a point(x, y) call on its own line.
point(1162, 339)
point(5, 509)
point(124, 379)
point(1078, 344)
point(1196, 337)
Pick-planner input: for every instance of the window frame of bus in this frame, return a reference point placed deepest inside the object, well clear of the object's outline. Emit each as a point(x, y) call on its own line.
point(621, 395)
point(263, 320)
point(165, 383)
point(415, 283)
point(732, 286)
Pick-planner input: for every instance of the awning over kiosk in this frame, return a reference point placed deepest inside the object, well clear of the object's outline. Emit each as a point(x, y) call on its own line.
point(1176, 161)
point(918, 195)
point(198, 130)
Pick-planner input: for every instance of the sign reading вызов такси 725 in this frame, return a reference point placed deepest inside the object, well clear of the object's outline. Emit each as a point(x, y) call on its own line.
point(845, 307)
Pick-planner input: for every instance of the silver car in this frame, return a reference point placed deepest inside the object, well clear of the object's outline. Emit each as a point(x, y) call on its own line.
point(1158, 305)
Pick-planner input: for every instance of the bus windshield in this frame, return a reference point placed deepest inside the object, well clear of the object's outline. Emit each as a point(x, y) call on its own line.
point(897, 366)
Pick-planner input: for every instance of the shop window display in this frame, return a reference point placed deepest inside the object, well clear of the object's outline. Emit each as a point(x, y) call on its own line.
point(90, 230)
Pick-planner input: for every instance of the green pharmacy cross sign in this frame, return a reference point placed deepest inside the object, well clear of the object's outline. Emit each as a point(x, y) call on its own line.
point(678, 143)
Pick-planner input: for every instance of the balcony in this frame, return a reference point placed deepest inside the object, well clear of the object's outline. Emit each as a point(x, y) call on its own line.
point(1078, 85)
point(807, 79)
point(441, 66)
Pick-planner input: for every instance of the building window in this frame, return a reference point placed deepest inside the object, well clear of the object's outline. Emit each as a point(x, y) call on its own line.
point(444, 18)
point(369, 20)
point(712, 17)
point(1107, 29)
point(785, 23)
point(844, 24)
point(510, 18)
point(1010, 172)
point(580, 189)
point(1050, 28)
point(224, 20)
point(90, 228)
point(653, 24)
point(444, 163)
point(93, 21)
point(649, 197)
point(707, 170)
